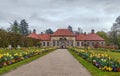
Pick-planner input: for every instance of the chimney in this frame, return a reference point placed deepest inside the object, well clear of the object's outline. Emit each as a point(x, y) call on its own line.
point(34, 31)
point(92, 31)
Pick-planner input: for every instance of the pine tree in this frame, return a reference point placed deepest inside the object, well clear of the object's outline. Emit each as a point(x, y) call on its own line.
point(49, 31)
point(24, 27)
point(15, 27)
point(70, 28)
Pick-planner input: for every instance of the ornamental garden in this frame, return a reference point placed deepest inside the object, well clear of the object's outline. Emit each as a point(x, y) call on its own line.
point(103, 60)
point(99, 62)
point(13, 58)
point(92, 50)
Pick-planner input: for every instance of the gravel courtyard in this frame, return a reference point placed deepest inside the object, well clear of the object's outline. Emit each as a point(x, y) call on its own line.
point(57, 63)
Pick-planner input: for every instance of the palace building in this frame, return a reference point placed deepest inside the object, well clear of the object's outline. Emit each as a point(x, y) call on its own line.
point(63, 38)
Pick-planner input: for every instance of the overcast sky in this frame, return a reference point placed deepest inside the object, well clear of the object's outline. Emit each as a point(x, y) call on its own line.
point(54, 14)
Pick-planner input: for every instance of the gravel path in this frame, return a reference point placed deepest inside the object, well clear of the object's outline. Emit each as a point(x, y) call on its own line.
point(57, 63)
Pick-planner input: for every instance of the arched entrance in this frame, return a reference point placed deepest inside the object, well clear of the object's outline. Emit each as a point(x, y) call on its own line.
point(63, 42)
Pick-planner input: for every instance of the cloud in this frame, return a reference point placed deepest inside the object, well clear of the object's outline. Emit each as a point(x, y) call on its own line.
point(35, 16)
point(55, 14)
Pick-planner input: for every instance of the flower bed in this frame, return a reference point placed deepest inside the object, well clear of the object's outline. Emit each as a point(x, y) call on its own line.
point(101, 60)
point(11, 58)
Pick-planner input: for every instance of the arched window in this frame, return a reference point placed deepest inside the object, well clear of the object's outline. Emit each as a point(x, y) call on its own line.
point(62, 39)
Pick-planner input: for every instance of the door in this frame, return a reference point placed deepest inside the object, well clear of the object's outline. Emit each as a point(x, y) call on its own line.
point(63, 42)
point(63, 45)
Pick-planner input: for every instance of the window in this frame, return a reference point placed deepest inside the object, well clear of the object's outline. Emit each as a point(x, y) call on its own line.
point(53, 43)
point(82, 43)
point(43, 43)
point(78, 44)
point(88, 43)
point(102, 43)
point(71, 43)
point(57, 43)
point(47, 43)
point(67, 43)
point(92, 43)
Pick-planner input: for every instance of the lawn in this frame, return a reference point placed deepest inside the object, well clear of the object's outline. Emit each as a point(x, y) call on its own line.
point(93, 69)
point(114, 55)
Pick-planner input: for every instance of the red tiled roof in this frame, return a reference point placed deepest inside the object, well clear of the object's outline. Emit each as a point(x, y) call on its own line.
point(94, 37)
point(44, 37)
point(66, 32)
point(80, 37)
point(33, 35)
point(89, 37)
point(63, 32)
